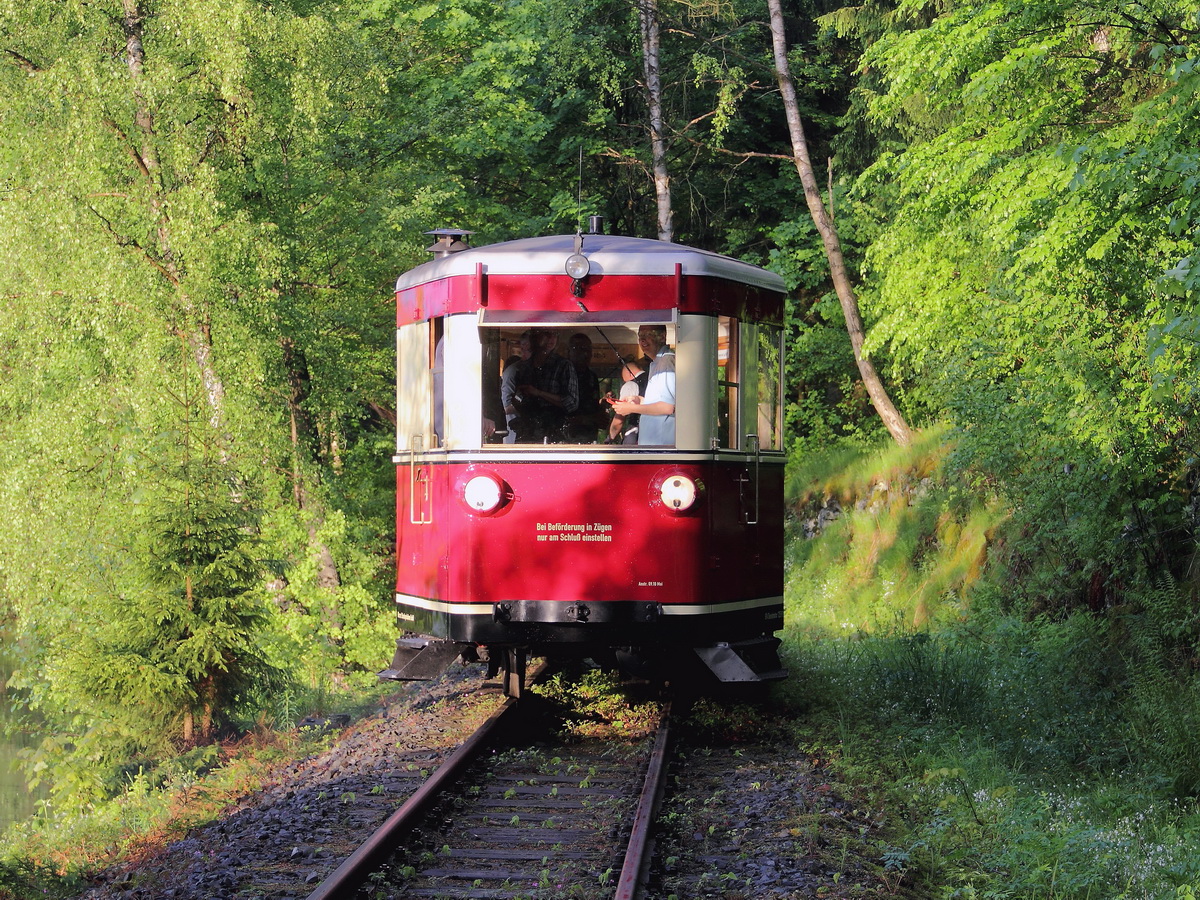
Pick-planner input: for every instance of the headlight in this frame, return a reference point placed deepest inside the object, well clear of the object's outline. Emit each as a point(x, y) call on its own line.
point(578, 266)
point(678, 492)
point(483, 493)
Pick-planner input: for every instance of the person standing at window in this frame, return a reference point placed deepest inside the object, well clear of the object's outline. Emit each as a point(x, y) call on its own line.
point(550, 390)
point(510, 397)
point(657, 407)
point(589, 419)
point(635, 379)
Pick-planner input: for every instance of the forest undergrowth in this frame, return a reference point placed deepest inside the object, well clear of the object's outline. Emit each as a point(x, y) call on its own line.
point(1025, 745)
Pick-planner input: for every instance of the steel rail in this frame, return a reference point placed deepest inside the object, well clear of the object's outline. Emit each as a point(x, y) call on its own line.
point(638, 853)
point(345, 880)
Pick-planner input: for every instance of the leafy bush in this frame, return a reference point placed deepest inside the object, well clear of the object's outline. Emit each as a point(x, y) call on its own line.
point(1038, 749)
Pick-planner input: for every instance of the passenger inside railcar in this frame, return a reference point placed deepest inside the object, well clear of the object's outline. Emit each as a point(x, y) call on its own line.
point(589, 419)
point(549, 390)
point(624, 429)
point(656, 408)
point(510, 397)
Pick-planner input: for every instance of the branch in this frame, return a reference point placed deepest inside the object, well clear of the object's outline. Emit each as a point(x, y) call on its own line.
point(740, 154)
point(128, 144)
point(25, 63)
point(128, 243)
point(386, 414)
point(624, 158)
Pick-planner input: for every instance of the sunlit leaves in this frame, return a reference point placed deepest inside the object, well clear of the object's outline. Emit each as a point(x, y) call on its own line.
point(1040, 223)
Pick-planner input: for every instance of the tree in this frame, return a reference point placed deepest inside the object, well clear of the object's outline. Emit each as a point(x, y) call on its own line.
point(887, 411)
point(1039, 223)
point(152, 208)
point(647, 11)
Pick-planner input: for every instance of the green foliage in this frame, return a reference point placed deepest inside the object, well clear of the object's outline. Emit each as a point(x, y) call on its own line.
point(1048, 755)
point(1164, 710)
point(1035, 226)
point(21, 878)
point(902, 547)
point(318, 628)
point(595, 703)
point(1011, 748)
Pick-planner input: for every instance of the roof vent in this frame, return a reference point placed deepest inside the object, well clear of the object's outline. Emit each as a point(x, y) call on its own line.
point(595, 225)
point(449, 240)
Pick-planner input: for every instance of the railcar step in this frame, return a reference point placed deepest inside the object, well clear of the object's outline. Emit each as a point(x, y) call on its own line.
point(421, 658)
point(744, 661)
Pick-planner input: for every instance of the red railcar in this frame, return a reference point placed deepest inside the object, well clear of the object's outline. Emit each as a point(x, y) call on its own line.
point(525, 521)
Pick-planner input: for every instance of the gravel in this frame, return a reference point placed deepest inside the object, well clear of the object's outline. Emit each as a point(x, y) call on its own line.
point(280, 842)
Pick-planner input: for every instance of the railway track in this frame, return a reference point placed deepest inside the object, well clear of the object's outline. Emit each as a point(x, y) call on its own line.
point(538, 818)
point(745, 815)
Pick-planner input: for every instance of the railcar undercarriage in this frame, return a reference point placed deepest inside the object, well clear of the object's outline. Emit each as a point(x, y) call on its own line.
point(422, 658)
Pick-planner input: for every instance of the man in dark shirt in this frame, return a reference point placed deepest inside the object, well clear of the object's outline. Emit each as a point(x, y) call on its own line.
point(550, 388)
point(588, 418)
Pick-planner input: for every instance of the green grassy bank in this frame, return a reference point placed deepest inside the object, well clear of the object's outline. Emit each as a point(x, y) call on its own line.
point(1019, 753)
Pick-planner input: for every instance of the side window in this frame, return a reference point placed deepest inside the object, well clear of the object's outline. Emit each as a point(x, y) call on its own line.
point(414, 391)
point(489, 366)
point(437, 373)
point(770, 387)
point(728, 365)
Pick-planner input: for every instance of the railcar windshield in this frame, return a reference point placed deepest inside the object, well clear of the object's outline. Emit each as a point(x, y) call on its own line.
point(585, 383)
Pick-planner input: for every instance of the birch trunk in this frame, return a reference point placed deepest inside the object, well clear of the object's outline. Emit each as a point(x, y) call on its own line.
point(892, 420)
point(648, 22)
point(302, 435)
point(142, 148)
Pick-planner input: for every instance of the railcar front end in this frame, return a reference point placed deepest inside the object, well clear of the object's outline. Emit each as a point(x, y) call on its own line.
point(527, 522)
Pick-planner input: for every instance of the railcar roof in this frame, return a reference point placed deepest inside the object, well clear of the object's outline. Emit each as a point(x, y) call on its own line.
point(608, 255)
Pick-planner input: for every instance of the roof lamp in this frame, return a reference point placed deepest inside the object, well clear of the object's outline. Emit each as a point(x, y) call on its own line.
point(578, 266)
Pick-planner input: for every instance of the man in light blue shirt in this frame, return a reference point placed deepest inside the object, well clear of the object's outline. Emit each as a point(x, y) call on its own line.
point(657, 408)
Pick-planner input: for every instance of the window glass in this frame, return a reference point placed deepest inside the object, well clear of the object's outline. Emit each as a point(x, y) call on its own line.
point(437, 372)
point(728, 366)
point(770, 387)
point(414, 392)
point(557, 384)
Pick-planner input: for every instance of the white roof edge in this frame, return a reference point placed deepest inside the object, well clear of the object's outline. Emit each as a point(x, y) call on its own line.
point(608, 254)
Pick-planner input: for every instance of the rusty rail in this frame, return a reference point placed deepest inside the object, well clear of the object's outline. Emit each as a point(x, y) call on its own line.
point(344, 882)
point(637, 855)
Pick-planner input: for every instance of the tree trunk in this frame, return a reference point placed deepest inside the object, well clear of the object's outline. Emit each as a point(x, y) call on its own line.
point(648, 22)
point(193, 329)
point(303, 439)
point(887, 411)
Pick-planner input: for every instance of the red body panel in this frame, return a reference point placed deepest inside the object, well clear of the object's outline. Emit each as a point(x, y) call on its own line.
point(552, 293)
point(592, 531)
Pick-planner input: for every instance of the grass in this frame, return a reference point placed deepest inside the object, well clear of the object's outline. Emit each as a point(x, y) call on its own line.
point(1022, 756)
point(48, 855)
point(901, 553)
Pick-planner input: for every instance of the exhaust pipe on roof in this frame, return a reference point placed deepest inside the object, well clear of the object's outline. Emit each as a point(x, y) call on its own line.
point(449, 240)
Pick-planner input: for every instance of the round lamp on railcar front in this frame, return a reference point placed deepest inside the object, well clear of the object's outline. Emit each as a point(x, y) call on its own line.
point(484, 494)
point(678, 492)
point(578, 266)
